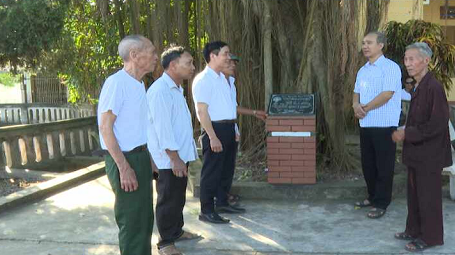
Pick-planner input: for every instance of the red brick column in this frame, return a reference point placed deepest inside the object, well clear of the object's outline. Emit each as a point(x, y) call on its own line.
point(291, 160)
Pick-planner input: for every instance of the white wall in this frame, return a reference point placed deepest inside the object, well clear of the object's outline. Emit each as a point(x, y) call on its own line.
point(10, 95)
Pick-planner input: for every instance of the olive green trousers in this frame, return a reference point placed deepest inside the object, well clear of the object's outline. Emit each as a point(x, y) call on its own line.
point(133, 210)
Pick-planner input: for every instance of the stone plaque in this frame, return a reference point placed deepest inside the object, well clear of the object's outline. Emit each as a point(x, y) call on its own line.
point(291, 105)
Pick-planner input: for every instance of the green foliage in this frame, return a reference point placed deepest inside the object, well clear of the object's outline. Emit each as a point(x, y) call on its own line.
point(28, 28)
point(74, 95)
point(86, 52)
point(8, 79)
point(400, 35)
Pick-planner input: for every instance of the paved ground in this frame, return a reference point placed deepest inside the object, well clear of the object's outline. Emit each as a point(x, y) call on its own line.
point(80, 221)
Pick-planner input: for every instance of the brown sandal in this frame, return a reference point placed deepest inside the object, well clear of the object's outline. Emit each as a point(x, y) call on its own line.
point(169, 250)
point(187, 236)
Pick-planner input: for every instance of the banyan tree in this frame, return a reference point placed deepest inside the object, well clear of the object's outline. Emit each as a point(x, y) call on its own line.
point(285, 46)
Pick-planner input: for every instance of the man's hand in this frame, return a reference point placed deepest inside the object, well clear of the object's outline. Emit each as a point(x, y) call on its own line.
point(216, 145)
point(260, 115)
point(398, 136)
point(359, 112)
point(155, 171)
point(128, 181)
point(237, 137)
point(179, 167)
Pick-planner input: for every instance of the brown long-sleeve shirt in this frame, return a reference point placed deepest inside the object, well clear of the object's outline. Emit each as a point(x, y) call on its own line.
point(427, 140)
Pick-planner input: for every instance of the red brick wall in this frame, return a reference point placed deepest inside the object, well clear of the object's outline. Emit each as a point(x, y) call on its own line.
point(291, 160)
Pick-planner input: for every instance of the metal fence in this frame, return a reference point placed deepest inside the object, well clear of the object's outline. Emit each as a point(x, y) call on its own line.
point(48, 90)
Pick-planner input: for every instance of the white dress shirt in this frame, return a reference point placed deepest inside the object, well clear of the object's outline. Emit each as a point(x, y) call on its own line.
point(373, 79)
point(213, 89)
point(125, 97)
point(231, 83)
point(169, 126)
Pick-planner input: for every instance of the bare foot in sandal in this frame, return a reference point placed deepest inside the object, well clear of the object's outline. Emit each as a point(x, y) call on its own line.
point(376, 213)
point(403, 236)
point(169, 250)
point(416, 245)
point(364, 203)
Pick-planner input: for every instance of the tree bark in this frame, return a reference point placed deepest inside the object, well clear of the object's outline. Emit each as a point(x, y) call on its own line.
point(268, 61)
point(134, 16)
point(118, 16)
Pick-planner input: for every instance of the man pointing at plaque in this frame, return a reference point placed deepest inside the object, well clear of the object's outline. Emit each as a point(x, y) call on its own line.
point(216, 109)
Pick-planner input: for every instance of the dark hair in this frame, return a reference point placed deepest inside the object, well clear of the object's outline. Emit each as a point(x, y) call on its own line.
point(380, 37)
point(214, 47)
point(171, 53)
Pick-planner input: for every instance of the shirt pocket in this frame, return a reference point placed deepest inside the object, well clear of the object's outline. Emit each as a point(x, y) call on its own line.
point(370, 87)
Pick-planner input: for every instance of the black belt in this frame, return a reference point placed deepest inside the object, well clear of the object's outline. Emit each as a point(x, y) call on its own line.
point(225, 121)
point(139, 148)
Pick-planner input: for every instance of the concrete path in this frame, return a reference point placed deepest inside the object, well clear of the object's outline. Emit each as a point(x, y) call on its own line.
point(80, 221)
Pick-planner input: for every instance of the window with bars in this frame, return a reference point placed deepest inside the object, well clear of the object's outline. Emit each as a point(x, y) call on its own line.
point(447, 14)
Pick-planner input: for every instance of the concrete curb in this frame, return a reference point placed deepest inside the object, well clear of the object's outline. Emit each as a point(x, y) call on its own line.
point(336, 190)
point(51, 187)
point(355, 190)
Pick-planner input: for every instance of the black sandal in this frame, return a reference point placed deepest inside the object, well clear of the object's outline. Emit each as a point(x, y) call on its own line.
point(416, 245)
point(233, 198)
point(364, 203)
point(403, 236)
point(376, 213)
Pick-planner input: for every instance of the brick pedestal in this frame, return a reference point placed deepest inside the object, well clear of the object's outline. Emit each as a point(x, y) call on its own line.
point(291, 159)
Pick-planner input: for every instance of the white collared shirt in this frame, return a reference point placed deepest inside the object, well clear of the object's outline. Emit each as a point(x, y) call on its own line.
point(125, 97)
point(169, 126)
point(373, 79)
point(213, 89)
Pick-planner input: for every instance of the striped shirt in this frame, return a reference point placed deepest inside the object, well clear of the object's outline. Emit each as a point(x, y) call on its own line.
point(372, 80)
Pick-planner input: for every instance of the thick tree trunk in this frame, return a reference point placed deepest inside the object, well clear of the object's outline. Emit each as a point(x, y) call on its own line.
point(134, 16)
point(268, 61)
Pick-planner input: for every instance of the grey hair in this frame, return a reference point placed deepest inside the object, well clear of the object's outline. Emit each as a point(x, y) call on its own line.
point(129, 43)
point(380, 37)
point(423, 48)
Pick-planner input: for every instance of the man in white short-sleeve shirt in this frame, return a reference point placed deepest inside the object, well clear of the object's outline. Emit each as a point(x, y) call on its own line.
point(377, 105)
point(171, 144)
point(122, 117)
point(216, 109)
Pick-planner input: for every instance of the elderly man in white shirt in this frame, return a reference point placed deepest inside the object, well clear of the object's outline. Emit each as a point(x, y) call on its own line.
point(216, 109)
point(377, 105)
point(171, 144)
point(122, 111)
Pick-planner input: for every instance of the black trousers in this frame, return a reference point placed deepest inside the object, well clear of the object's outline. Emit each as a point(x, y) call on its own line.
point(169, 206)
point(378, 164)
point(217, 168)
point(425, 218)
